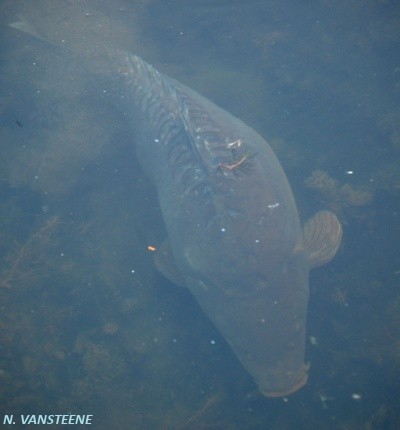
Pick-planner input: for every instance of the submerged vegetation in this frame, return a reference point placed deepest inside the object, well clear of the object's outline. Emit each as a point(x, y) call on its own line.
point(339, 198)
point(21, 265)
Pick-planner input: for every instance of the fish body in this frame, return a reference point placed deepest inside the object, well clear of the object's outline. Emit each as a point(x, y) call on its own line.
point(234, 234)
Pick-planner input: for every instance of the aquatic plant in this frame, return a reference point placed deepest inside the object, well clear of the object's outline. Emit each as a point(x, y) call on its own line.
point(21, 263)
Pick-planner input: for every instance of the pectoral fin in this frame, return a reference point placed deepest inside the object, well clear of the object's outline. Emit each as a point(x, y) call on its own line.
point(165, 264)
point(322, 237)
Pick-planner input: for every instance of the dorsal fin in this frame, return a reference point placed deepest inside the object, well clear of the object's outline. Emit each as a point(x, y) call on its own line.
point(151, 90)
point(322, 237)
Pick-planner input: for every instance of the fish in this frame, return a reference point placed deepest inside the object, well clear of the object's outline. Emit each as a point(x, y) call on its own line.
point(234, 236)
point(235, 239)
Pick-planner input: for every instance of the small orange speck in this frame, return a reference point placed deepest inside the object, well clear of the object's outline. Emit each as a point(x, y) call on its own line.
point(151, 248)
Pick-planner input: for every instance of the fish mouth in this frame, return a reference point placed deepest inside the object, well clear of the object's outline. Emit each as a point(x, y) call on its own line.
point(293, 388)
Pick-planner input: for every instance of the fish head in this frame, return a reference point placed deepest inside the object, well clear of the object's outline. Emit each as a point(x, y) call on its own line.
point(256, 294)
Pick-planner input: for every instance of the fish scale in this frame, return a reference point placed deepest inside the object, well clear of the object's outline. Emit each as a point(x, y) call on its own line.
point(160, 103)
